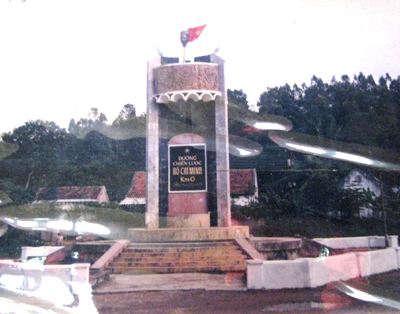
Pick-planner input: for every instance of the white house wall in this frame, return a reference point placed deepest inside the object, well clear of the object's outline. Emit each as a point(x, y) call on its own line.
point(243, 200)
point(357, 180)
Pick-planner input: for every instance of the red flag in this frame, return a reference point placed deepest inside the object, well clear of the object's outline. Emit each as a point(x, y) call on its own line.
point(195, 32)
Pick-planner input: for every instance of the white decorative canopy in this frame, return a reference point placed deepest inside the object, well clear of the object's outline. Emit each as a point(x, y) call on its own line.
point(194, 95)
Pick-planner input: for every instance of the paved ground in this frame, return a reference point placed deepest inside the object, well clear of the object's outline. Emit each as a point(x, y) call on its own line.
point(156, 282)
point(207, 293)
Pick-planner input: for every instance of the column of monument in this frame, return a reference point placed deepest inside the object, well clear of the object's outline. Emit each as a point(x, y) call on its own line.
point(152, 150)
point(222, 148)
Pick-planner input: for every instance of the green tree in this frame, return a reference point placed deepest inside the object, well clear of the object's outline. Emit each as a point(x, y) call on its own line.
point(41, 146)
point(95, 121)
point(238, 99)
point(128, 125)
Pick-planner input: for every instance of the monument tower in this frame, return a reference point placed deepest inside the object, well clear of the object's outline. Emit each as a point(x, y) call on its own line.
point(187, 108)
point(187, 153)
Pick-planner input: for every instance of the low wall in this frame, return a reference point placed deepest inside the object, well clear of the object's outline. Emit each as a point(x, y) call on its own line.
point(108, 256)
point(379, 261)
point(277, 248)
point(358, 242)
point(78, 273)
point(316, 272)
point(56, 284)
point(39, 251)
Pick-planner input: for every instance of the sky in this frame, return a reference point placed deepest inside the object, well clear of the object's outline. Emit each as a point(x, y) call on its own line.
point(60, 58)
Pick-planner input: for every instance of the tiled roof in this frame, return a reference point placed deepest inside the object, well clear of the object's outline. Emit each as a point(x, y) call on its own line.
point(138, 186)
point(242, 181)
point(69, 193)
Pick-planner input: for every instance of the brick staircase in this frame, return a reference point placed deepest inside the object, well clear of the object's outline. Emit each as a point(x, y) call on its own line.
point(180, 257)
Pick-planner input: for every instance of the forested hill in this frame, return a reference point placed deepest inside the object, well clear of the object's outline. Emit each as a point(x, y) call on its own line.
point(357, 111)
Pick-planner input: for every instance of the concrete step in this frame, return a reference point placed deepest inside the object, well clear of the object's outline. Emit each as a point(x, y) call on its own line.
point(220, 256)
point(152, 258)
point(181, 244)
point(178, 263)
point(167, 254)
point(179, 248)
point(171, 269)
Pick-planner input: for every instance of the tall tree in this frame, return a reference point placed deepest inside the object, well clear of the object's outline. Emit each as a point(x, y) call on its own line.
point(238, 98)
point(95, 121)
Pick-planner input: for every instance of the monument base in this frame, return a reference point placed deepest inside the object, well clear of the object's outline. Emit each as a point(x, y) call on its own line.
point(189, 221)
point(188, 234)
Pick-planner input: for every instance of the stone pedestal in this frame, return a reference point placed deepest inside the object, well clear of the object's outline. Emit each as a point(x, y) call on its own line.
point(188, 234)
point(187, 203)
point(189, 221)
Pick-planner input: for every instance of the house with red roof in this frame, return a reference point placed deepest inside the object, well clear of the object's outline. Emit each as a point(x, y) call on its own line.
point(73, 194)
point(244, 187)
point(137, 192)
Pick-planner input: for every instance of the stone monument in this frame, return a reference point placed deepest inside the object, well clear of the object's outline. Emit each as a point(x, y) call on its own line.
point(187, 154)
point(187, 151)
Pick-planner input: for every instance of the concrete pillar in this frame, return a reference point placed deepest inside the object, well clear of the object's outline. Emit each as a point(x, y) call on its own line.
point(255, 274)
point(80, 272)
point(393, 241)
point(152, 151)
point(222, 148)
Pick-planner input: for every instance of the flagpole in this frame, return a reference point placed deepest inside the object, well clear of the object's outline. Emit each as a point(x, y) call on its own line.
point(184, 40)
